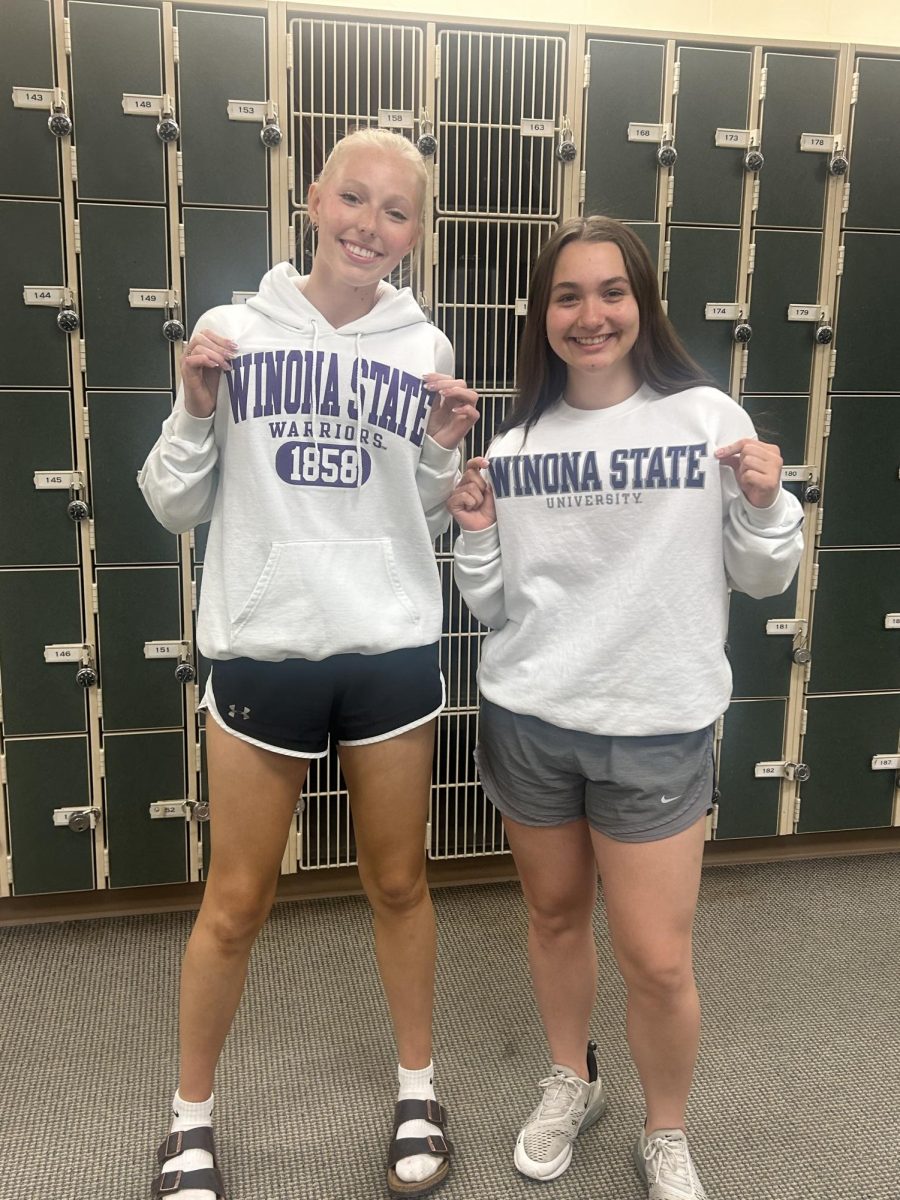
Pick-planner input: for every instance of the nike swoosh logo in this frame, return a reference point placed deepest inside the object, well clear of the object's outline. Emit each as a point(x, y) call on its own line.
point(668, 799)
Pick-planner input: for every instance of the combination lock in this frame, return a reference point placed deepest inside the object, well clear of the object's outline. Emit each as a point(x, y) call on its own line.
point(801, 772)
point(198, 810)
point(566, 150)
point(839, 164)
point(167, 128)
point(59, 122)
point(67, 320)
point(78, 510)
point(812, 494)
point(427, 145)
point(824, 335)
point(80, 821)
point(754, 160)
point(742, 332)
point(801, 656)
point(667, 155)
point(86, 677)
point(173, 331)
point(185, 673)
point(270, 134)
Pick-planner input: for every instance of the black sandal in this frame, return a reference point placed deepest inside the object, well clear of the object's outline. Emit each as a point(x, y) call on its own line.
point(434, 1114)
point(170, 1183)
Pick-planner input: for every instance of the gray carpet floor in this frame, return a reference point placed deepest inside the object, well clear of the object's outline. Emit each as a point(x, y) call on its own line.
point(797, 1093)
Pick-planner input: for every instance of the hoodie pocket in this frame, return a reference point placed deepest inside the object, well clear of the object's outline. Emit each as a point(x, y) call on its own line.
point(315, 599)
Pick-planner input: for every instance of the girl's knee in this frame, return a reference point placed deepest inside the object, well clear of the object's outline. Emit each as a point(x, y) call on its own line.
point(233, 915)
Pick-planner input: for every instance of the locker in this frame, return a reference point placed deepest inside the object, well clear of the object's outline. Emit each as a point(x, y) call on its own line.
point(843, 735)
point(34, 352)
point(136, 606)
point(753, 732)
point(29, 158)
point(117, 52)
point(626, 87)
point(760, 662)
point(44, 774)
point(140, 770)
point(860, 503)
point(481, 284)
point(497, 144)
point(703, 269)
point(783, 421)
point(221, 58)
point(875, 152)
point(713, 93)
point(201, 536)
point(650, 233)
point(35, 436)
point(786, 272)
point(463, 821)
point(38, 609)
point(349, 75)
point(799, 99)
point(869, 300)
point(460, 644)
point(124, 249)
point(493, 409)
point(326, 827)
point(852, 651)
point(123, 428)
point(225, 251)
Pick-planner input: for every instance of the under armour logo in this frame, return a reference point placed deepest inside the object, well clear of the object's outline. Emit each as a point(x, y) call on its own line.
point(245, 712)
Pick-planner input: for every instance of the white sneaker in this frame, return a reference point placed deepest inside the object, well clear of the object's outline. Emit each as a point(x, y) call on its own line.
point(568, 1106)
point(663, 1161)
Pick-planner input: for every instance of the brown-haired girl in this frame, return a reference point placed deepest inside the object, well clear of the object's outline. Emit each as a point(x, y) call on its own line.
point(621, 499)
point(317, 429)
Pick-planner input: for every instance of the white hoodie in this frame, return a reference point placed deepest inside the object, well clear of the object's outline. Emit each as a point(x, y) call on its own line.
point(324, 493)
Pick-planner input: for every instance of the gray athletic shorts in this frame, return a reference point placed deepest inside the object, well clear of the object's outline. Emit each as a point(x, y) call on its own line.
point(633, 789)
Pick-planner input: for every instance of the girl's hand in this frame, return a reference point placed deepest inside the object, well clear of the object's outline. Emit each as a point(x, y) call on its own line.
point(472, 501)
point(206, 355)
point(757, 469)
point(453, 412)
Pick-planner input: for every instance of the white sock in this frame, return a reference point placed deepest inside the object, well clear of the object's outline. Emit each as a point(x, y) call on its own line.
point(417, 1085)
point(188, 1115)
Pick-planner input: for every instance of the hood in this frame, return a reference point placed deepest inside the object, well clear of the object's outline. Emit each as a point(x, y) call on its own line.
point(279, 298)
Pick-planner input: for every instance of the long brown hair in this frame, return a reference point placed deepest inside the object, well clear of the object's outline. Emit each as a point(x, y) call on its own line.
point(658, 356)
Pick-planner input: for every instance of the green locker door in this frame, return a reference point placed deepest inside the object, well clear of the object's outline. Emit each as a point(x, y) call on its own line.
point(799, 99)
point(861, 486)
point(35, 436)
point(626, 87)
point(875, 152)
point(786, 272)
point(44, 774)
point(38, 609)
point(137, 606)
point(703, 269)
point(29, 159)
point(866, 337)
point(496, 145)
point(34, 353)
point(221, 58)
point(116, 51)
point(843, 735)
point(345, 74)
point(649, 232)
point(124, 426)
point(852, 651)
point(713, 93)
point(124, 247)
point(753, 733)
point(225, 251)
point(760, 662)
point(140, 770)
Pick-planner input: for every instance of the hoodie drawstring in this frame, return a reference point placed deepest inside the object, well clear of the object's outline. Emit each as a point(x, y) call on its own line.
point(359, 407)
point(315, 364)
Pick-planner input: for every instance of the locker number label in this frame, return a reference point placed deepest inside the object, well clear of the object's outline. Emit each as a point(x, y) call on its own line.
point(769, 770)
point(532, 127)
point(241, 297)
point(246, 110)
point(142, 106)
point(57, 481)
point(395, 118)
point(150, 298)
point(25, 97)
point(638, 132)
point(325, 465)
point(166, 649)
point(807, 312)
point(64, 654)
point(521, 308)
point(736, 139)
point(779, 628)
point(724, 312)
point(799, 474)
point(892, 620)
point(39, 294)
point(817, 143)
point(886, 762)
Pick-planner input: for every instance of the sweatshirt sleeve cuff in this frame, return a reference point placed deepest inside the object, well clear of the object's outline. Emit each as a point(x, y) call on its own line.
point(778, 512)
point(438, 457)
point(480, 541)
point(191, 429)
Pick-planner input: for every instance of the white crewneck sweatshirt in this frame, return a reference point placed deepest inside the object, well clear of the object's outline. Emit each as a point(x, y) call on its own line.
point(323, 491)
point(605, 578)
